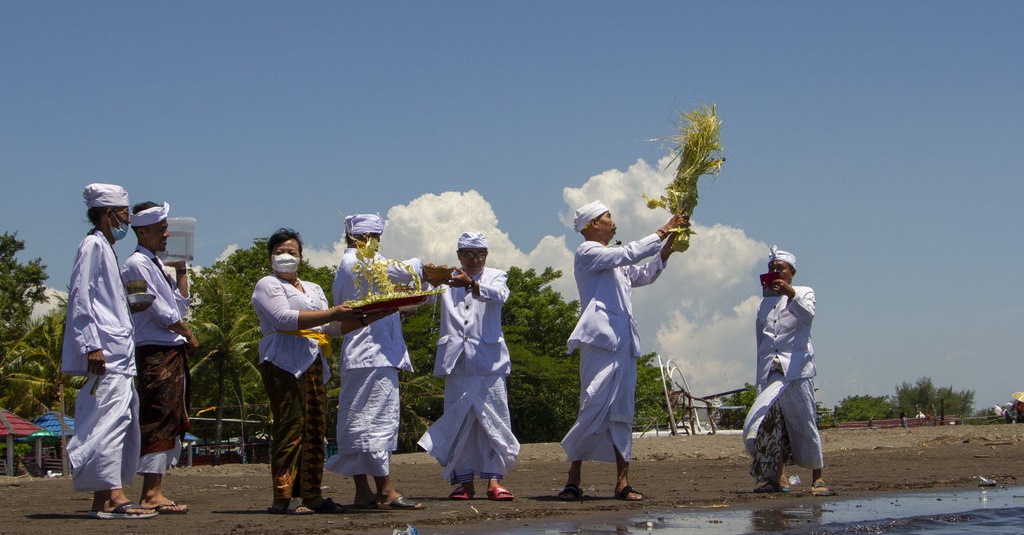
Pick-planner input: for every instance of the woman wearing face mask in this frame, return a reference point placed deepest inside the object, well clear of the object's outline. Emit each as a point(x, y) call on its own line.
point(296, 322)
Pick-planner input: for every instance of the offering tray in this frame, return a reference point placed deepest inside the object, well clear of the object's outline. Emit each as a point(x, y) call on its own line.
point(404, 303)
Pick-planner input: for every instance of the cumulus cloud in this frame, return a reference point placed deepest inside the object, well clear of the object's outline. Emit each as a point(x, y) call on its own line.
point(54, 298)
point(700, 312)
point(227, 252)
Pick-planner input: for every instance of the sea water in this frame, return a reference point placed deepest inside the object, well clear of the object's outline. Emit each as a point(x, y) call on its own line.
point(986, 510)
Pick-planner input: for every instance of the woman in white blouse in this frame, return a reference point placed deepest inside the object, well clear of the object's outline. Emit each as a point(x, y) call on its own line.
point(296, 323)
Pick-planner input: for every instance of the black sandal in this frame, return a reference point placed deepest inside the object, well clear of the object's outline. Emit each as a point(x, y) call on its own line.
point(571, 493)
point(626, 491)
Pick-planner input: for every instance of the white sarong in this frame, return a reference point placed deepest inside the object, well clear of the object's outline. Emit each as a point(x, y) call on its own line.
point(796, 402)
point(159, 462)
point(368, 417)
point(607, 399)
point(475, 432)
point(104, 451)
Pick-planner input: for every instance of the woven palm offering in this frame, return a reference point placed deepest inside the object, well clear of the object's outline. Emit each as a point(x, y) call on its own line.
point(698, 152)
point(437, 275)
point(375, 287)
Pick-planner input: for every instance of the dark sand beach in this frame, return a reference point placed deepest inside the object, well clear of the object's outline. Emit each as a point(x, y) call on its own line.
point(677, 474)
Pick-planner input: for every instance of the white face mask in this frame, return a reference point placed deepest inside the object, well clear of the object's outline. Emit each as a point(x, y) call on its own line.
point(284, 263)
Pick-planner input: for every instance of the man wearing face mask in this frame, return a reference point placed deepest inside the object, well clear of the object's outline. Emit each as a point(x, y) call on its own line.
point(98, 344)
point(474, 436)
point(163, 343)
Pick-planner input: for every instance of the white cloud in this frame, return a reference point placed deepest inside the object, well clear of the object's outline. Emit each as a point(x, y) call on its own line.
point(53, 299)
point(227, 252)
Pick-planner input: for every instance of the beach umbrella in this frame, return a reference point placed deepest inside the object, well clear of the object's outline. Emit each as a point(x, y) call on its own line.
point(11, 426)
point(42, 434)
point(1019, 396)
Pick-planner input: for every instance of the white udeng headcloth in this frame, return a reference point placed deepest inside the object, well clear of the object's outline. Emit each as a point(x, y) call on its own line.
point(587, 213)
point(364, 224)
point(150, 216)
point(105, 195)
point(777, 254)
point(472, 240)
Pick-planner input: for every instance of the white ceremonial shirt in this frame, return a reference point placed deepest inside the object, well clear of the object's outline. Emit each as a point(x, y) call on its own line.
point(152, 326)
point(277, 305)
point(471, 328)
point(784, 332)
point(605, 276)
point(379, 344)
point(98, 316)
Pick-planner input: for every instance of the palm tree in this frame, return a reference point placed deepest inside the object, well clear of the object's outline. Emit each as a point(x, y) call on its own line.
point(31, 371)
point(228, 341)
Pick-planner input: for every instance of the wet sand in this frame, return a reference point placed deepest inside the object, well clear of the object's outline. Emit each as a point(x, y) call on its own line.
point(681, 473)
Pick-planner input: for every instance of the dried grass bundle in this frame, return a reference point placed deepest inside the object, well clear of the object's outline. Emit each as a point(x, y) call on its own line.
point(698, 152)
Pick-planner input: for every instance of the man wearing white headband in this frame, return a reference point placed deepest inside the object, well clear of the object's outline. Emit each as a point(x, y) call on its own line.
point(609, 344)
point(98, 344)
point(368, 401)
point(782, 426)
point(163, 343)
point(474, 436)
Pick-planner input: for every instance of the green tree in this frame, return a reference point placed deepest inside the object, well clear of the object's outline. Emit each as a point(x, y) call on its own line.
point(22, 286)
point(923, 396)
point(228, 343)
point(34, 381)
point(858, 408)
point(422, 394)
point(544, 386)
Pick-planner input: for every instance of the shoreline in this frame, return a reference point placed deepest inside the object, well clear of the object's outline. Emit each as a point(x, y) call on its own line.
point(680, 474)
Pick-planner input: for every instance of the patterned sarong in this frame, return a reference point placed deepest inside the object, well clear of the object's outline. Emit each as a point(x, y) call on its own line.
point(297, 448)
point(163, 395)
point(782, 427)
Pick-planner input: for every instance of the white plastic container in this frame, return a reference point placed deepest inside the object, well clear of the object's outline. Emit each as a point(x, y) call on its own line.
point(181, 233)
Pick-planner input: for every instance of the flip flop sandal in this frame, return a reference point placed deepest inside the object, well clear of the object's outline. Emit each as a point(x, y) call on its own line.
point(402, 502)
point(172, 508)
point(571, 493)
point(330, 507)
point(770, 487)
point(300, 510)
point(818, 488)
point(626, 491)
point(500, 494)
point(121, 512)
point(460, 493)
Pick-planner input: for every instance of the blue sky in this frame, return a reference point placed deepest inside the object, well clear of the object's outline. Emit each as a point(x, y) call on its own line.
point(879, 141)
